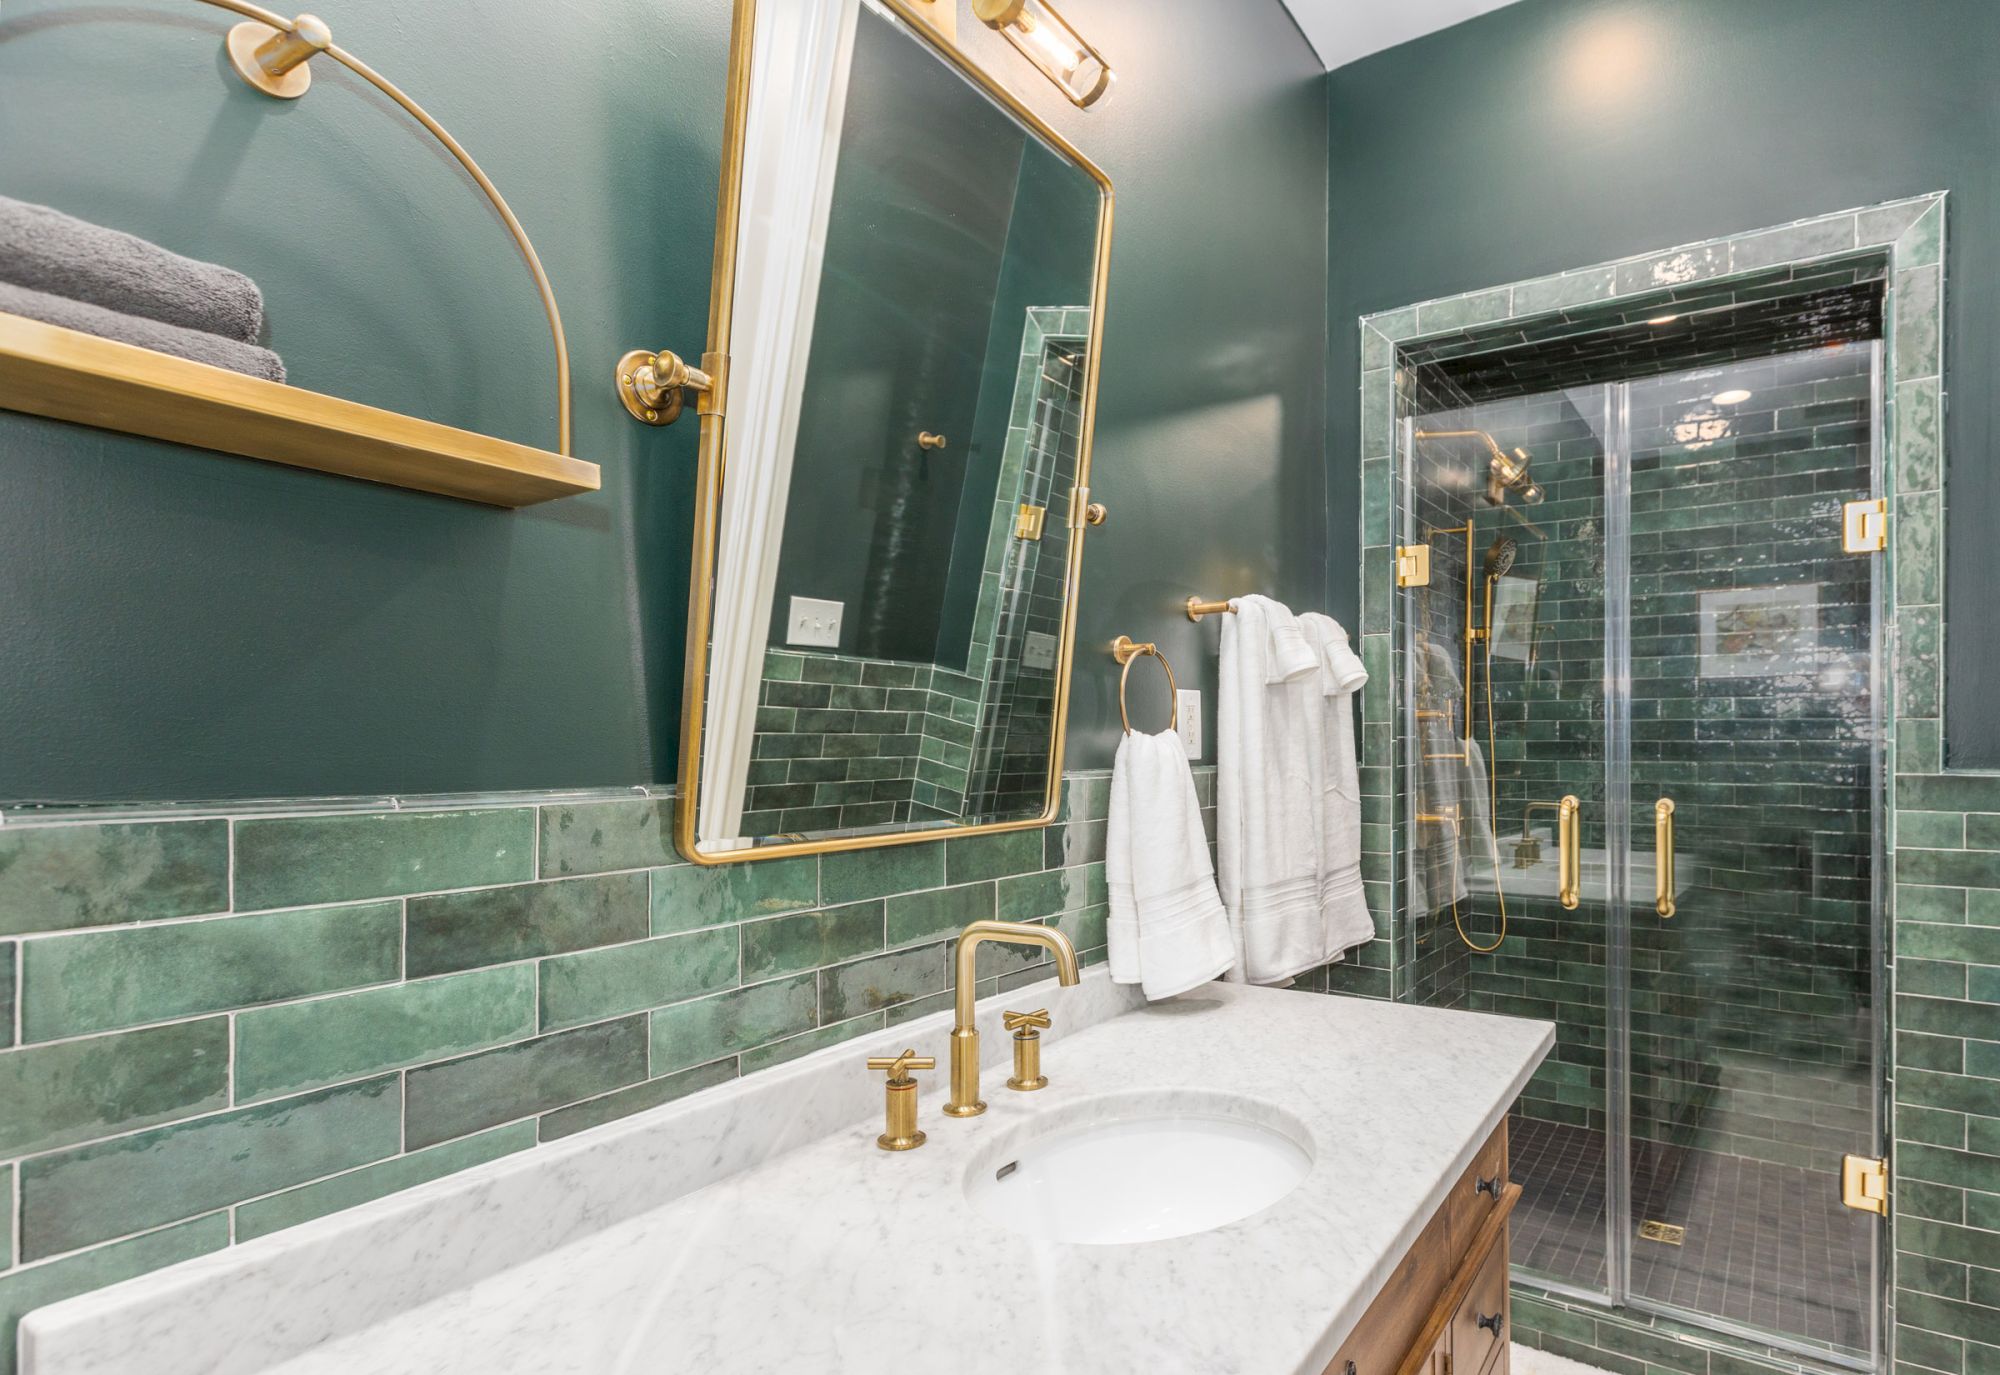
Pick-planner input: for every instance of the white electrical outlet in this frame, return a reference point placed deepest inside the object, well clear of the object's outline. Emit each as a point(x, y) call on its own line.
point(1038, 651)
point(813, 622)
point(1189, 712)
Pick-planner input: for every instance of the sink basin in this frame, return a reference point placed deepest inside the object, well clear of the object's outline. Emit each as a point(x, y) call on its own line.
point(1143, 1167)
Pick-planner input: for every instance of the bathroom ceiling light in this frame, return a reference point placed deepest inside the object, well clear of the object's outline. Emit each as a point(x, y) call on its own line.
point(1046, 39)
point(1734, 397)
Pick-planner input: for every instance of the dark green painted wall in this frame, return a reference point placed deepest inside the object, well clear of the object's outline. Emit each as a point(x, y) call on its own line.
point(180, 625)
point(1558, 133)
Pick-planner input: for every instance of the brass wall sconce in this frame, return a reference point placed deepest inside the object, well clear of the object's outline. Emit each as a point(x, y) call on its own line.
point(653, 386)
point(1046, 39)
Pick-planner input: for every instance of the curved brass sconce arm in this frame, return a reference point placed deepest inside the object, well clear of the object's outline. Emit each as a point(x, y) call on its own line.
point(653, 385)
point(271, 53)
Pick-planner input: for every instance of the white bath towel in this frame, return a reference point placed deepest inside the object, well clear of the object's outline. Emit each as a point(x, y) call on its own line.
point(1267, 747)
point(1167, 930)
point(1343, 903)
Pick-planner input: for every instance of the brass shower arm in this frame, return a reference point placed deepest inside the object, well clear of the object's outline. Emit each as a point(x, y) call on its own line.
point(1534, 807)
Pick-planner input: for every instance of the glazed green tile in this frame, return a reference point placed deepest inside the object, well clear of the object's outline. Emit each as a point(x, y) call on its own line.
point(940, 913)
point(112, 1188)
point(1477, 308)
point(1948, 792)
point(7, 1215)
point(265, 1215)
point(1378, 417)
point(1919, 536)
point(808, 940)
point(706, 1029)
point(6, 994)
point(792, 1047)
point(1546, 294)
point(1395, 325)
point(1671, 269)
point(599, 837)
point(305, 1045)
point(600, 984)
point(884, 981)
point(1971, 944)
point(992, 856)
point(1919, 670)
point(1922, 245)
point(1377, 349)
point(1919, 443)
point(1931, 830)
point(1813, 239)
point(638, 1098)
point(855, 875)
point(1918, 747)
point(99, 981)
point(692, 896)
point(460, 1097)
point(291, 861)
point(1029, 896)
point(1885, 224)
point(38, 1286)
point(497, 925)
point(1919, 324)
point(70, 1091)
point(1949, 868)
point(56, 877)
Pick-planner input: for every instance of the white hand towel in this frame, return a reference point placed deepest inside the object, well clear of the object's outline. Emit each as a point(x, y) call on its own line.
point(1343, 902)
point(1268, 745)
point(1167, 930)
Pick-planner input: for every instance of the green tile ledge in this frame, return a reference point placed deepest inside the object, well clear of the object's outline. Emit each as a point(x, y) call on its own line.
point(347, 1271)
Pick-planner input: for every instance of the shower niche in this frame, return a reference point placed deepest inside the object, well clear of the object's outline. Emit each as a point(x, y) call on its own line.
point(1639, 769)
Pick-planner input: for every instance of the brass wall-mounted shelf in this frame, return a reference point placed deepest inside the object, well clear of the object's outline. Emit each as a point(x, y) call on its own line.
point(60, 373)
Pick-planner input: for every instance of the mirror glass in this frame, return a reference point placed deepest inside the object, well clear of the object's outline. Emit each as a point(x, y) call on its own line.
point(909, 396)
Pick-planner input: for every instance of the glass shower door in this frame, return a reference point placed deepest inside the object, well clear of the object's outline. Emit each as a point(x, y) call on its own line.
point(1753, 742)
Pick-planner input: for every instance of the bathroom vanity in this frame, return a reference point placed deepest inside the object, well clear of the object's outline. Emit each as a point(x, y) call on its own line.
point(757, 1227)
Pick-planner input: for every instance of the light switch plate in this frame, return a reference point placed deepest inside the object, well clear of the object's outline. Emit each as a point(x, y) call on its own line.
point(814, 622)
point(1038, 651)
point(1189, 712)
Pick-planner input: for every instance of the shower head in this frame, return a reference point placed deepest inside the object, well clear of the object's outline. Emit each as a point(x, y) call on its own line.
point(1500, 556)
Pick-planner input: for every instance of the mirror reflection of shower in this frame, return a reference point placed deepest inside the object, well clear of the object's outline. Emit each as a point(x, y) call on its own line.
point(1458, 794)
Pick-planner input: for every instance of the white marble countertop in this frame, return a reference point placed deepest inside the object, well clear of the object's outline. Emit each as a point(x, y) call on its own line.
point(833, 1256)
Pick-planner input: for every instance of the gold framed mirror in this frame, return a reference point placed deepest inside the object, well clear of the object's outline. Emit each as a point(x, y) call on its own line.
point(896, 405)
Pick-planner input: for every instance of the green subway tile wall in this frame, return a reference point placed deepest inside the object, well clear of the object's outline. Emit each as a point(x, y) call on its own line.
point(188, 1062)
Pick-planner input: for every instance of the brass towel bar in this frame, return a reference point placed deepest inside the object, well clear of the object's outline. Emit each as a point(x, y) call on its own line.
point(1128, 651)
point(1197, 608)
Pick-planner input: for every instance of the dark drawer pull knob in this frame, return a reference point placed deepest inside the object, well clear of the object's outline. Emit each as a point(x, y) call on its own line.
point(1492, 1324)
point(1350, 1369)
point(1487, 1186)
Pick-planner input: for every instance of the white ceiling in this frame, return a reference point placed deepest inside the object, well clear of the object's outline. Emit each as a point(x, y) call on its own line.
point(1342, 31)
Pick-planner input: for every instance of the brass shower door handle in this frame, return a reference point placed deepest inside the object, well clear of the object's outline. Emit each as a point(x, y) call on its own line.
point(1663, 856)
point(1569, 842)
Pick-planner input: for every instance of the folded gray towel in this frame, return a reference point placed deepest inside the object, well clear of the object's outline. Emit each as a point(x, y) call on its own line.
point(46, 250)
point(193, 344)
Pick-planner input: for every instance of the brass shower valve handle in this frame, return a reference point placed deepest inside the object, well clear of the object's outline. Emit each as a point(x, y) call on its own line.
point(900, 1105)
point(1027, 1028)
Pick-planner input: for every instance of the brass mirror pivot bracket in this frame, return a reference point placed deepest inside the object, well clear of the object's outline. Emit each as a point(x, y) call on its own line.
point(1027, 1028)
point(653, 385)
point(277, 61)
point(899, 1131)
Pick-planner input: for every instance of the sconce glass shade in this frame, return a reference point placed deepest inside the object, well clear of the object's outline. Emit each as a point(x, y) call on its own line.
point(1046, 39)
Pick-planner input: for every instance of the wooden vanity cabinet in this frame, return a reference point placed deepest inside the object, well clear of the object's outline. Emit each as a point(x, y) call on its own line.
point(1445, 1309)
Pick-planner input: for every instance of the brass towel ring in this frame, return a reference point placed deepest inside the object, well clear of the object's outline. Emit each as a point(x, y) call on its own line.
point(1128, 651)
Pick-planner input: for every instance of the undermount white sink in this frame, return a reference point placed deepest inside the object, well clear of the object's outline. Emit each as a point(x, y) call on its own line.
point(1124, 1168)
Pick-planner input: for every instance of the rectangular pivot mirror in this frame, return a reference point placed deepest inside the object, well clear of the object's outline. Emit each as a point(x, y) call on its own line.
point(909, 285)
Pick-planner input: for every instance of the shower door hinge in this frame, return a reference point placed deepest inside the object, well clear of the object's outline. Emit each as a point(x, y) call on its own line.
point(1028, 521)
point(1413, 565)
point(1864, 526)
point(1864, 1184)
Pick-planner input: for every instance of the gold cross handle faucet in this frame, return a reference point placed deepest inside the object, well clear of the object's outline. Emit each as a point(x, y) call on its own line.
point(899, 1131)
point(1027, 1028)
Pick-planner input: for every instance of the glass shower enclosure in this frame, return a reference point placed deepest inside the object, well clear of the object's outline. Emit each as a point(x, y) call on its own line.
point(1641, 632)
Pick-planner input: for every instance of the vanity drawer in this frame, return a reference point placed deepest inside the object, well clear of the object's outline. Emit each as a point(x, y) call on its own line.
point(1479, 1326)
point(1383, 1340)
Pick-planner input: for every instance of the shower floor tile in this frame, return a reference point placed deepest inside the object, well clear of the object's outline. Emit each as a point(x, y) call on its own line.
point(1766, 1245)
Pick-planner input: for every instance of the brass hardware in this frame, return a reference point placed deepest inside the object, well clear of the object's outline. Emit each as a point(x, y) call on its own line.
point(1413, 565)
point(930, 442)
point(1126, 650)
point(1457, 758)
point(713, 455)
point(1027, 1028)
point(1864, 526)
point(272, 54)
point(1663, 856)
point(1569, 840)
point(1670, 1233)
point(274, 60)
point(1197, 608)
point(965, 1101)
point(1864, 1184)
point(1527, 851)
point(47, 370)
point(1096, 513)
point(1505, 472)
point(1083, 511)
point(1028, 521)
point(1052, 44)
point(900, 1105)
point(652, 385)
point(1450, 816)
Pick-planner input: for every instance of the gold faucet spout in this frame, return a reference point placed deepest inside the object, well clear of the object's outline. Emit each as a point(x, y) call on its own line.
point(965, 1101)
